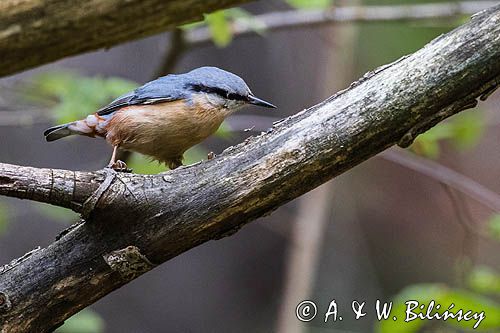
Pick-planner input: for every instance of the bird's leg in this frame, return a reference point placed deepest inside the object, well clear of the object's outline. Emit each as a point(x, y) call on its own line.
point(113, 157)
point(119, 166)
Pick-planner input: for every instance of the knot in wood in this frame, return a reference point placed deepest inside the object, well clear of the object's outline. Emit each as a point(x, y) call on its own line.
point(4, 301)
point(128, 262)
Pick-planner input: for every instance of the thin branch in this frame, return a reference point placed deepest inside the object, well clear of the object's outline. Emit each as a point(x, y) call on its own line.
point(22, 118)
point(314, 17)
point(304, 253)
point(470, 237)
point(447, 176)
point(176, 50)
point(140, 221)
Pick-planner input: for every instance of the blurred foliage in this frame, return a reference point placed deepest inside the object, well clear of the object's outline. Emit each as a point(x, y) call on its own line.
point(4, 217)
point(224, 131)
point(494, 226)
point(300, 4)
point(383, 42)
point(219, 24)
point(463, 131)
point(145, 165)
point(445, 296)
point(73, 95)
point(220, 27)
point(484, 280)
point(85, 321)
point(56, 213)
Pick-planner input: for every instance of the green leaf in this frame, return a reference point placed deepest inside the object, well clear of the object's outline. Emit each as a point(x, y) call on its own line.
point(422, 293)
point(494, 226)
point(85, 321)
point(4, 217)
point(466, 300)
point(444, 296)
point(463, 131)
point(484, 280)
point(219, 27)
point(467, 129)
point(317, 4)
point(427, 144)
point(224, 131)
point(248, 19)
point(219, 24)
point(426, 147)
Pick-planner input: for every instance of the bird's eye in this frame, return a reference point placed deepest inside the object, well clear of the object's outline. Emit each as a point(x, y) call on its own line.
point(236, 97)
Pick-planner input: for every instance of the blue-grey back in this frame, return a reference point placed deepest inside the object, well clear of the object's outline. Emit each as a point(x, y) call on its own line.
point(180, 86)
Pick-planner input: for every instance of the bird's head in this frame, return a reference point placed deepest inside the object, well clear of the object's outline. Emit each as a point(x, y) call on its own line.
point(222, 89)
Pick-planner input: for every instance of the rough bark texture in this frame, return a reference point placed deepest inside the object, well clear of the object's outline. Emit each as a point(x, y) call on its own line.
point(134, 222)
point(35, 32)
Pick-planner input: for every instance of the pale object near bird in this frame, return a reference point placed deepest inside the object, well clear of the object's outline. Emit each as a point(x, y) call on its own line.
point(165, 117)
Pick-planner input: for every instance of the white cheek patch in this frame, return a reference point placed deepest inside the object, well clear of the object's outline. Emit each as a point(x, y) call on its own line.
point(208, 101)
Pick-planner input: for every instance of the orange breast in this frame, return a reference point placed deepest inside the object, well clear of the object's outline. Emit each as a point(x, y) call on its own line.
point(163, 131)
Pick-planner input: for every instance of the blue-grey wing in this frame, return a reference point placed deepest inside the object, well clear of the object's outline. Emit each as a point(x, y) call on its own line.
point(165, 89)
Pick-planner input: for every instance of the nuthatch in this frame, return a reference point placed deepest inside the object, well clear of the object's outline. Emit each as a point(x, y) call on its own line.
point(167, 116)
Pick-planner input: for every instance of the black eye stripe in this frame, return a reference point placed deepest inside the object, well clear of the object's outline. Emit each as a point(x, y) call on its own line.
point(221, 92)
point(237, 97)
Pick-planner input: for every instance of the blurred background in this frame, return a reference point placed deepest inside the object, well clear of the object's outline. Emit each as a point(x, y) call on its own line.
point(415, 224)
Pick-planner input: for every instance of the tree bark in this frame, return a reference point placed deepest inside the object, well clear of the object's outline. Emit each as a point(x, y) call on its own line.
point(35, 32)
point(134, 222)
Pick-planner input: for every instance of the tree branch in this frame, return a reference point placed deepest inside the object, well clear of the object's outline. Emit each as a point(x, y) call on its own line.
point(139, 221)
point(35, 32)
point(446, 176)
point(348, 14)
point(63, 188)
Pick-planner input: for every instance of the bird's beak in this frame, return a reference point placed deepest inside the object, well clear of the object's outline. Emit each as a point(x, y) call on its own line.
point(260, 102)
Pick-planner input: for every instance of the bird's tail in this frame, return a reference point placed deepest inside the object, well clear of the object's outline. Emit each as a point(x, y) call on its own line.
point(91, 126)
point(57, 132)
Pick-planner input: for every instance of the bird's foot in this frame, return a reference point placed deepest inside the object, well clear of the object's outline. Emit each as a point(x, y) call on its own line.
point(211, 155)
point(119, 166)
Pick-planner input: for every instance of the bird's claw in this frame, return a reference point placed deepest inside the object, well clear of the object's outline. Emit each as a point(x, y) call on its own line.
point(119, 166)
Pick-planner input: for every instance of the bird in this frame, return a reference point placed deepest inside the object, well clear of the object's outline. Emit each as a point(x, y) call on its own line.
point(165, 117)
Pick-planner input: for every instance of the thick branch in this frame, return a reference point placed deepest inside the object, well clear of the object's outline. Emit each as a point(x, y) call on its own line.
point(35, 32)
point(58, 187)
point(138, 221)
